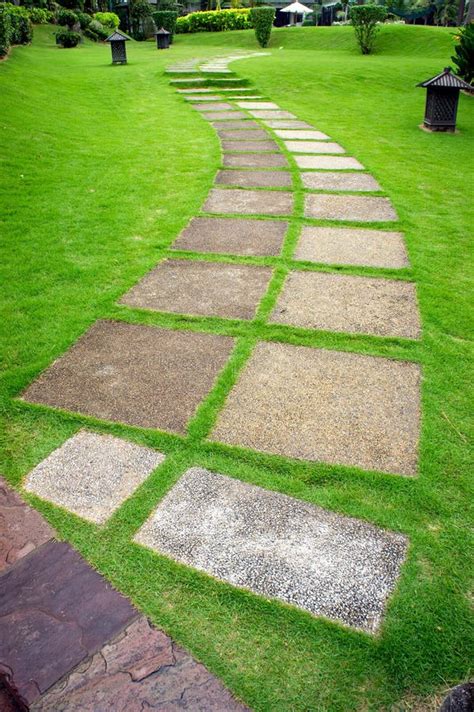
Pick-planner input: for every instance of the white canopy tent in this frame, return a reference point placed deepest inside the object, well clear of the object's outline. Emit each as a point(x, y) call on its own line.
point(295, 9)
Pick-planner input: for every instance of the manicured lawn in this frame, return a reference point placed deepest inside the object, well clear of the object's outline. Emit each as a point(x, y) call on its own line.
point(101, 168)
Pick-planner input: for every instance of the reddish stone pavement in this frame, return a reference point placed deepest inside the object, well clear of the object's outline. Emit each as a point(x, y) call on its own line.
point(70, 642)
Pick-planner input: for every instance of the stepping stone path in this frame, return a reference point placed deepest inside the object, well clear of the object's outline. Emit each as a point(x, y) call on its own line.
point(320, 405)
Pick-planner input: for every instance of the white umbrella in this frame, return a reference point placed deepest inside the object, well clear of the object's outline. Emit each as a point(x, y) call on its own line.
point(296, 8)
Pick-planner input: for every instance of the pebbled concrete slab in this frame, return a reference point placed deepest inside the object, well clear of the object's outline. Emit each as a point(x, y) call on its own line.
point(232, 291)
point(313, 147)
point(249, 202)
point(139, 375)
point(223, 115)
point(301, 135)
point(329, 406)
point(337, 302)
point(330, 163)
point(233, 236)
point(91, 475)
point(244, 124)
point(232, 135)
point(254, 160)
point(213, 106)
point(349, 207)
point(352, 246)
point(286, 124)
point(256, 146)
point(255, 179)
point(268, 114)
point(327, 180)
point(278, 546)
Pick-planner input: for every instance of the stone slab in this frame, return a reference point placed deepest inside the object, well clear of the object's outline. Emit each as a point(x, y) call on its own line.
point(203, 90)
point(209, 97)
point(223, 115)
point(313, 147)
point(286, 124)
point(232, 291)
point(55, 611)
point(338, 302)
point(213, 106)
point(352, 246)
point(255, 179)
point(266, 114)
point(254, 160)
point(329, 406)
point(334, 180)
point(249, 202)
point(92, 474)
point(232, 135)
point(257, 105)
point(301, 135)
point(277, 546)
point(241, 124)
point(256, 146)
point(233, 236)
point(331, 163)
point(139, 375)
point(349, 207)
point(22, 529)
point(248, 96)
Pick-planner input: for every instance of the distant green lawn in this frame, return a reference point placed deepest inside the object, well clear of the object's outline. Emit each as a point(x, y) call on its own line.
point(101, 168)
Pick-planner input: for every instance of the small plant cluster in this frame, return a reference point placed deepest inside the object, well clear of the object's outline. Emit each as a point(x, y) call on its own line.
point(15, 27)
point(214, 21)
point(97, 27)
point(463, 56)
point(262, 19)
point(365, 20)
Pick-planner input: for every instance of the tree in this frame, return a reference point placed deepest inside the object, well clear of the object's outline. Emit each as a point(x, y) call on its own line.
point(364, 20)
point(463, 56)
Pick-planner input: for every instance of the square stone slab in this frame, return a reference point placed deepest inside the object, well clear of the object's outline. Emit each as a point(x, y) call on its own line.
point(339, 302)
point(265, 114)
point(309, 135)
point(267, 145)
point(329, 406)
point(257, 105)
point(91, 475)
point(233, 236)
point(256, 135)
point(331, 163)
point(349, 207)
point(286, 124)
point(352, 246)
point(313, 147)
point(245, 123)
point(134, 374)
point(223, 115)
point(232, 291)
point(255, 179)
point(213, 106)
point(249, 202)
point(254, 160)
point(279, 547)
point(327, 180)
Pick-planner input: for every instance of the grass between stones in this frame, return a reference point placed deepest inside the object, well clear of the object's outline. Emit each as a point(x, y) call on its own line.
point(91, 184)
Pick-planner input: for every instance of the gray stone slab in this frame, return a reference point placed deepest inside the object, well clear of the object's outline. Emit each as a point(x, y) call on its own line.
point(349, 207)
point(233, 236)
point(248, 96)
point(245, 124)
point(352, 246)
point(268, 114)
point(213, 106)
point(279, 547)
point(257, 105)
point(233, 135)
point(232, 291)
point(254, 160)
point(249, 202)
point(208, 97)
point(339, 302)
point(191, 81)
point(335, 180)
point(91, 475)
point(287, 124)
point(301, 135)
point(202, 90)
point(331, 163)
point(255, 179)
point(223, 115)
point(313, 404)
point(267, 145)
point(313, 147)
point(139, 375)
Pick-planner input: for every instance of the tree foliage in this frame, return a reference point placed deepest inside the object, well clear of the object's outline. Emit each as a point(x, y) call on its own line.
point(364, 20)
point(463, 56)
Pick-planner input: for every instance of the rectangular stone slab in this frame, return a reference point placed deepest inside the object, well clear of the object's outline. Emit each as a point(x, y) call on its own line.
point(313, 147)
point(233, 236)
point(331, 163)
point(134, 374)
point(209, 97)
point(245, 123)
point(232, 135)
point(249, 202)
point(264, 114)
point(329, 406)
point(286, 124)
point(352, 246)
point(255, 179)
point(334, 180)
point(257, 105)
point(232, 291)
point(92, 474)
point(349, 207)
point(279, 547)
point(223, 115)
point(213, 106)
point(267, 145)
point(254, 160)
point(309, 135)
point(204, 90)
point(340, 302)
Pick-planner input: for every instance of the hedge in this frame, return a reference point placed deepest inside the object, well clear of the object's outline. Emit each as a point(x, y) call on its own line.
point(15, 26)
point(5, 30)
point(166, 19)
point(215, 21)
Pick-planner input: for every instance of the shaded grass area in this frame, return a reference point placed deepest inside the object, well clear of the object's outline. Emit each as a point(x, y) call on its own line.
point(97, 180)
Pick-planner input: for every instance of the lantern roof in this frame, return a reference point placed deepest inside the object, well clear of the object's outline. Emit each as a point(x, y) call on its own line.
point(162, 32)
point(117, 36)
point(446, 79)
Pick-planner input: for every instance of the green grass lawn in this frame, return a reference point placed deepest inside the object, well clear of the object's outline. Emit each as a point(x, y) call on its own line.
point(101, 168)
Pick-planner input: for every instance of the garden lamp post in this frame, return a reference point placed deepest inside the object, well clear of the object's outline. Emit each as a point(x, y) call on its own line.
point(442, 95)
point(163, 38)
point(117, 44)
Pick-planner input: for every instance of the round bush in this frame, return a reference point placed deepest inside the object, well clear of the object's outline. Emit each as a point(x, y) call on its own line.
point(66, 38)
point(108, 19)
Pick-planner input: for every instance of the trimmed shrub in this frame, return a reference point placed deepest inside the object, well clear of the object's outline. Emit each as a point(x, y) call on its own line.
point(214, 21)
point(66, 18)
point(84, 20)
point(166, 19)
point(21, 27)
point(96, 31)
point(463, 56)
point(40, 16)
point(107, 19)
point(365, 19)
point(262, 20)
point(66, 38)
point(5, 30)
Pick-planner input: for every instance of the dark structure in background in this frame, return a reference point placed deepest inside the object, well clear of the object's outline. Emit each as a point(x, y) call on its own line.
point(117, 44)
point(162, 39)
point(442, 98)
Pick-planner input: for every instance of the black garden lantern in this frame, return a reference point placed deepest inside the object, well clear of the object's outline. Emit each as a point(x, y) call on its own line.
point(442, 97)
point(163, 38)
point(117, 44)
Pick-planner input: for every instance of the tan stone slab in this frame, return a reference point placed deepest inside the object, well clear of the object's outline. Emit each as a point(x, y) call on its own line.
point(257, 105)
point(328, 406)
point(286, 124)
point(134, 374)
point(339, 302)
point(335, 180)
point(223, 115)
point(301, 135)
point(255, 179)
point(249, 202)
point(242, 135)
point(208, 97)
point(331, 163)
point(349, 207)
point(254, 160)
point(204, 90)
point(352, 246)
point(313, 147)
point(232, 291)
point(213, 106)
point(245, 123)
point(266, 114)
point(233, 236)
point(267, 145)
